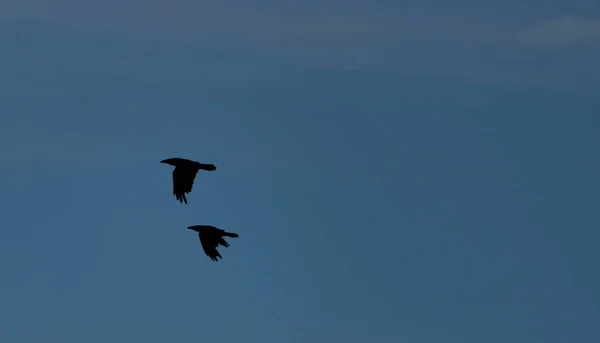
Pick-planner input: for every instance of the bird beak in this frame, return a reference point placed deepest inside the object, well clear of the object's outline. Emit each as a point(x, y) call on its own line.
point(163, 161)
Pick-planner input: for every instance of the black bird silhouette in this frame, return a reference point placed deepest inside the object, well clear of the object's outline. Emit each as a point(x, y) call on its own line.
point(184, 174)
point(210, 238)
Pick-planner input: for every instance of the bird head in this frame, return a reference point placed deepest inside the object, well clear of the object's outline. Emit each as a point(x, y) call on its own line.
point(203, 166)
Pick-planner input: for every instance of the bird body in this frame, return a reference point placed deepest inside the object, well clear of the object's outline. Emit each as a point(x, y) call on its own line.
point(184, 174)
point(210, 238)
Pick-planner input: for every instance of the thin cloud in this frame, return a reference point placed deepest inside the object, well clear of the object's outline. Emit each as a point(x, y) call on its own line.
point(561, 32)
point(198, 21)
point(348, 36)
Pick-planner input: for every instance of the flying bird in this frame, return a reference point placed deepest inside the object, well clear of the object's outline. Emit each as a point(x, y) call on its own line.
point(184, 174)
point(210, 238)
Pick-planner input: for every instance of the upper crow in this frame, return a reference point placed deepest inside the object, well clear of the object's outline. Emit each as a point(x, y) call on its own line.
point(210, 238)
point(184, 174)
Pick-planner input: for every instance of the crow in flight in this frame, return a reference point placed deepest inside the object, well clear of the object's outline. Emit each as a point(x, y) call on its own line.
point(184, 174)
point(210, 238)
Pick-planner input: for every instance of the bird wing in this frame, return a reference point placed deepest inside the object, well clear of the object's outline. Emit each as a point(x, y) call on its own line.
point(183, 181)
point(209, 245)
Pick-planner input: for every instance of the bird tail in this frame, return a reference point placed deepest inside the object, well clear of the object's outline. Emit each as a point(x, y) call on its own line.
point(209, 167)
point(230, 234)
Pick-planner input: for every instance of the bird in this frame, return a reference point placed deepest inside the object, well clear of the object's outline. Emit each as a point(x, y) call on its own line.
point(210, 238)
point(184, 174)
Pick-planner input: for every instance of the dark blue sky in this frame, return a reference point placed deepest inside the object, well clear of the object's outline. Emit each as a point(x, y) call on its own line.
point(392, 179)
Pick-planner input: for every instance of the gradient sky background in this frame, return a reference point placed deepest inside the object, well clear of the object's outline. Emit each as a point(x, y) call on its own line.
point(420, 173)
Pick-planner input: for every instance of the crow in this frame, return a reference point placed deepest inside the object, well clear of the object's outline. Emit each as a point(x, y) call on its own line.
point(210, 238)
point(184, 174)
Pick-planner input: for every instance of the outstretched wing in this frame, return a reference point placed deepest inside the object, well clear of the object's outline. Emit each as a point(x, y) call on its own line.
point(183, 181)
point(209, 245)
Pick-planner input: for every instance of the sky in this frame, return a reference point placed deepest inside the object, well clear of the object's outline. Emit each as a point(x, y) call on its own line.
point(422, 172)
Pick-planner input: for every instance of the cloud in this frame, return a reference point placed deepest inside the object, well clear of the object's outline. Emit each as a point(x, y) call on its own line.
point(561, 32)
